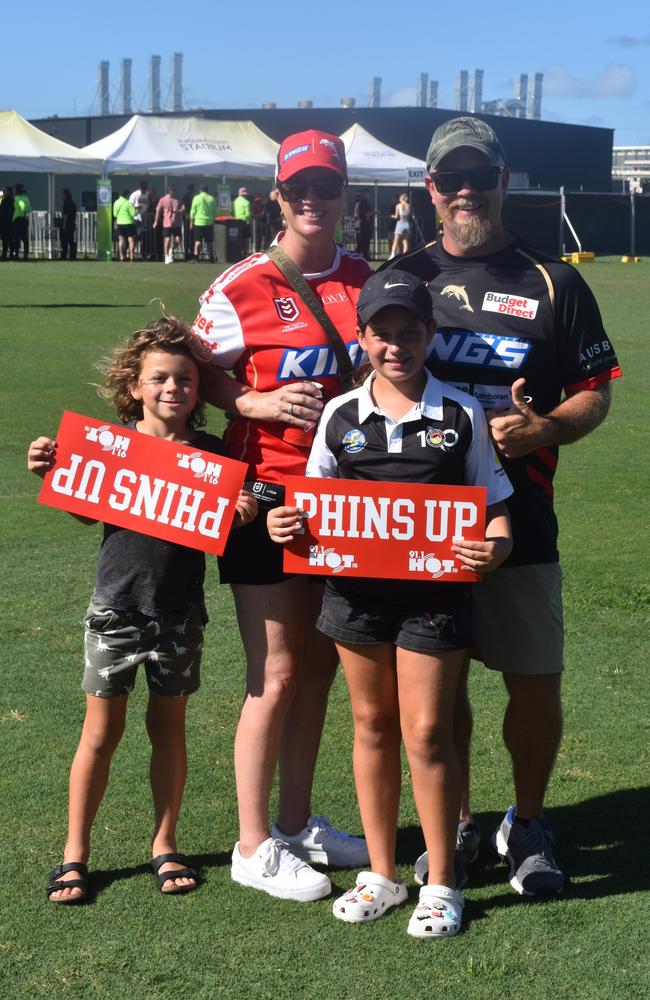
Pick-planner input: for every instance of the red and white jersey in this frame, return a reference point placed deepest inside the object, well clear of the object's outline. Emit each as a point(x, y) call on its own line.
point(258, 327)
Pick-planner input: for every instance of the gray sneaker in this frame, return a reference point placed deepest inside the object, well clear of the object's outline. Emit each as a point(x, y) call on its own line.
point(468, 839)
point(527, 847)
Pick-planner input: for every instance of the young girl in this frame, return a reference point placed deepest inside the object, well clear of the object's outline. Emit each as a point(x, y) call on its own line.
point(402, 213)
point(147, 608)
point(402, 643)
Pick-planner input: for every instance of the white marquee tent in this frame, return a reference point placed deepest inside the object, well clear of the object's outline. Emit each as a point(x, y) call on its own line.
point(188, 145)
point(24, 148)
point(370, 160)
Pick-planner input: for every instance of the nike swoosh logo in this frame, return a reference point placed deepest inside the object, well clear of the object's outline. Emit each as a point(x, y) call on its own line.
point(396, 284)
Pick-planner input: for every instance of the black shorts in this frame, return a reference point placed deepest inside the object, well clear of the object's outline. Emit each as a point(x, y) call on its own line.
point(204, 233)
point(172, 231)
point(421, 617)
point(129, 230)
point(250, 556)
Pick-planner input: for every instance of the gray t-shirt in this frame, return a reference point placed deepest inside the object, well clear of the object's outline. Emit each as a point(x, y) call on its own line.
point(137, 572)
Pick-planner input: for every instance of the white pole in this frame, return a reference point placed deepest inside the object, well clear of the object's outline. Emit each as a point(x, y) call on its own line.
point(632, 223)
point(376, 226)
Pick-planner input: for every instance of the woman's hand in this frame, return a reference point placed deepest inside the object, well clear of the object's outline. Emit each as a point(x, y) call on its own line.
point(246, 509)
point(482, 557)
point(41, 456)
point(297, 403)
point(284, 523)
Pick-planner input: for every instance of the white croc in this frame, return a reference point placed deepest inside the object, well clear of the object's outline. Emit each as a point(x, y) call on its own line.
point(371, 897)
point(275, 870)
point(438, 914)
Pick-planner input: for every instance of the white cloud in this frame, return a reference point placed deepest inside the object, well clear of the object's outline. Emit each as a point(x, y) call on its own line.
point(616, 80)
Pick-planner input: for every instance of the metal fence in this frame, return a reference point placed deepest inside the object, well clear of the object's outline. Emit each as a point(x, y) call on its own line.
point(553, 221)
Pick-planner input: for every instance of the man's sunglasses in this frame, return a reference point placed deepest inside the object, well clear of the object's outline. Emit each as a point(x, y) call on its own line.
point(327, 190)
point(479, 179)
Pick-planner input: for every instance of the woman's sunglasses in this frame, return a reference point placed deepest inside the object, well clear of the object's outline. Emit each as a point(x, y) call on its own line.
point(479, 179)
point(327, 190)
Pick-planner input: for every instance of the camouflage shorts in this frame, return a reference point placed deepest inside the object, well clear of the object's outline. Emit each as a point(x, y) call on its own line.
point(117, 642)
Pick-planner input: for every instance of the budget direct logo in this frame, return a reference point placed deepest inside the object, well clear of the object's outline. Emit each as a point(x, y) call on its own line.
point(200, 467)
point(330, 559)
point(108, 440)
point(510, 305)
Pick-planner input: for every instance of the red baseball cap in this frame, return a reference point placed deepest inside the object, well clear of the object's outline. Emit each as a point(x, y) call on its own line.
point(313, 148)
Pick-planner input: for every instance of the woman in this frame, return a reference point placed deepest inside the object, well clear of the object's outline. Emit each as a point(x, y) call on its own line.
point(257, 325)
point(402, 213)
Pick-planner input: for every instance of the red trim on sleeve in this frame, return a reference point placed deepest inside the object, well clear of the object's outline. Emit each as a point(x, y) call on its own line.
point(546, 456)
point(595, 381)
point(540, 479)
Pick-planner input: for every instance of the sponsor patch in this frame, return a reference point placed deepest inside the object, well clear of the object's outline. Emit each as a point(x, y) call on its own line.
point(445, 439)
point(294, 152)
point(286, 308)
point(510, 305)
point(354, 440)
point(313, 362)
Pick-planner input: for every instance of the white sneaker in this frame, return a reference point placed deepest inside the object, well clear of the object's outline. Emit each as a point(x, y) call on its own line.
point(371, 897)
point(169, 258)
point(322, 843)
point(438, 914)
point(275, 870)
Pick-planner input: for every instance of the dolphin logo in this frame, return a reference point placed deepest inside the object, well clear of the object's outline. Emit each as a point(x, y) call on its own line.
point(458, 292)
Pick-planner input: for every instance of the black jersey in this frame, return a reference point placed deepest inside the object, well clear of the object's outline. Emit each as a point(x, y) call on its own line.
point(518, 313)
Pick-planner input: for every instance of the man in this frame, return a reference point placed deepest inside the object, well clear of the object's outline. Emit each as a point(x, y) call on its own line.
point(20, 223)
point(243, 211)
point(518, 329)
point(67, 232)
point(140, 202)
point(170, 210)
point(202, 215)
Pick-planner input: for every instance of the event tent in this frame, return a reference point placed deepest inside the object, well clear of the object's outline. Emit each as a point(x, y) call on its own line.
point(370, 160)
point(26, 149)
point(188, 145)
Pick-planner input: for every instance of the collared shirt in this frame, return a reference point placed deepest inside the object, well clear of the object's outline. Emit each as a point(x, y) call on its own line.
point(443, 439)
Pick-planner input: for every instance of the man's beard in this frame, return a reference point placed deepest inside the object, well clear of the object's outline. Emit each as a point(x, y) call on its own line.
point(472, 234)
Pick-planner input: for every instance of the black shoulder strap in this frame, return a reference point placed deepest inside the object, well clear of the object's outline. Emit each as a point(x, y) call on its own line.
point(315, 306)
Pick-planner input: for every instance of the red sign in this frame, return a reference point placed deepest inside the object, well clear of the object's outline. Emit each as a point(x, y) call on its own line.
point(393, 531)
point(160, 488)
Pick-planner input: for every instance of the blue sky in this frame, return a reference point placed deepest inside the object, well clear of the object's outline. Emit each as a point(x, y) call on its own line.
point(596, 63)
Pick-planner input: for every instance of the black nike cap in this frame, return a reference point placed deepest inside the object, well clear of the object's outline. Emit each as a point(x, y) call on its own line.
point(394, 288)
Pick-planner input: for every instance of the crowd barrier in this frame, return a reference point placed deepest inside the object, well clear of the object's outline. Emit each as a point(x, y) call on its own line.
point(599, 222)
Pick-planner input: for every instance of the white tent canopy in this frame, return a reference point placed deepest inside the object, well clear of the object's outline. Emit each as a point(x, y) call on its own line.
point(370, 160)
point(25, 149)
point(188, 145)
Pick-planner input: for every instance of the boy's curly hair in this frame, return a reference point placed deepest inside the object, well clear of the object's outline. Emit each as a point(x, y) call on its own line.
point(121, 369)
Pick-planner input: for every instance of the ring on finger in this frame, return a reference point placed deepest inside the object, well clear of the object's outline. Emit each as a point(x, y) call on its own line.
point(290, 409)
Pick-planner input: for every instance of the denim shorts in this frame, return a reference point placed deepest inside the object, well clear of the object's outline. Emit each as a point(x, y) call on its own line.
point(421, 617)
point(117, 642)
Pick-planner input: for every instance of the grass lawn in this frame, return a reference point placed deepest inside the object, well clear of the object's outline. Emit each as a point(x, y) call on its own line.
point(57, 319)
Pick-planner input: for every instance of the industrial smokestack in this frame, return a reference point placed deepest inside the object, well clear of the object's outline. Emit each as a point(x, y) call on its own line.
point(104, 88)
point(521, 93)
point(421, 90)
point(432, 101)
point(348, 102)
point(462, 88)
point(476, 91)
point(535, 96)
point(177, 81)
point(154, 84)
point(374, 97)
point(125, 87)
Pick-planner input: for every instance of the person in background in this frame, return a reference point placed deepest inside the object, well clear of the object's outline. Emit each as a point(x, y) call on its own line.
point(188, 198)
point(20, 223)
point(124, 215)
point(272, 215)
point(202, 214)
point(67, 232)
point(363, 216)
point(243, 211)
point(6, 219)
point(170, 211)
point(403, 215)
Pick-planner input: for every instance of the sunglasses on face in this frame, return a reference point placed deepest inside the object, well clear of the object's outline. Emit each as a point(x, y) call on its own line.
point(327, 190)
point(479, 179)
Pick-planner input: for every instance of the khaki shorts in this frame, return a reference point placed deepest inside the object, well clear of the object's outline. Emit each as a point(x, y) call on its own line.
point(117, 642)
point(517, 620)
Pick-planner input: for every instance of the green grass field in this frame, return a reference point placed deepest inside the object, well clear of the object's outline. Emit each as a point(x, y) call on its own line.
point(224, 941)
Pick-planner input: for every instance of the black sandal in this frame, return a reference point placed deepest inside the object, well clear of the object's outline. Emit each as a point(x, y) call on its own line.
point(54, 882)
point(186, 872)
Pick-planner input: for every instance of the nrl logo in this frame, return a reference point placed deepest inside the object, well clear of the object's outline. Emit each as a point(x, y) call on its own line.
point(287, 309)
point(458, 292)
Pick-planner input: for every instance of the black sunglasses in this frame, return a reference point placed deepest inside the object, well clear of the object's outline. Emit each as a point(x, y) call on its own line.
point(478, 178)
point(327, 190)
